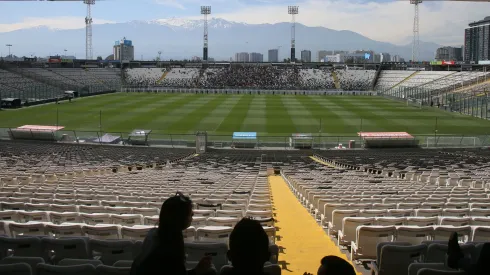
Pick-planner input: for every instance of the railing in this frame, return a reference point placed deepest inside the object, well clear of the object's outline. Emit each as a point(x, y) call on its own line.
point(279, 142)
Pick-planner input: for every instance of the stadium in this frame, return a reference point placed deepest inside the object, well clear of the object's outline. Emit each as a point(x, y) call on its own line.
point(379, 164)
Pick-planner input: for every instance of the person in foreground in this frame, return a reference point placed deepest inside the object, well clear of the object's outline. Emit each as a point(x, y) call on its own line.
point(333, 265)
point(163, 248)
point(457, 260)
point(249, 248)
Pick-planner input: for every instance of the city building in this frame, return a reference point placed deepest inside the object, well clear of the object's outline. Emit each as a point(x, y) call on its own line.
point(242, 57)
point(377, 58)
point(477, 41)
point(322, 54)
point(449, 54)
point(385, 57)
point(273, 55)
point(123, 50)
point(397, 58)
point(256, 57)
point(305, 56)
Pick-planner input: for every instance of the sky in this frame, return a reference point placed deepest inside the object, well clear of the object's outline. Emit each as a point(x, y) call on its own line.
point(442, 22)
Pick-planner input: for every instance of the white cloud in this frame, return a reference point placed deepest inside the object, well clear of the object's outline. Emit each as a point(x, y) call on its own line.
point(63, 22)
point(390, 22)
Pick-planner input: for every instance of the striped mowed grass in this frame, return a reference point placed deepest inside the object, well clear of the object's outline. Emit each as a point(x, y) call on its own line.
point(268, 115)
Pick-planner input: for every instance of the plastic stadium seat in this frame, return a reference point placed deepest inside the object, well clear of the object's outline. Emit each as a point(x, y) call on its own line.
point(69, 262)
point(214, 233)
point(102, 232)
point(83, 269)
point(112, 251)
point(31, 261)
point(16, 269)
point(22, 247)
point(64, 230)
point(413, 234)
point(59, 249)
point(218, 251)
point(393, 258)
point(436, 253)
point(367, 237)
point(112, 270)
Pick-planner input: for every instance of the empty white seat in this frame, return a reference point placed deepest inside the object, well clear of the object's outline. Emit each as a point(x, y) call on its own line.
point(145, 211)
point(237, 207)
point(137, 232)
point(259, 207)
point(58, 218)
point(455, 221)
point(482, 221)
point(421, 221)
point(199, 221)
point(400, 212)
point(480, 212)
point(373, 212)
point(214, 233)
point(195, 251)
point(387, 221)
point(118, 210)
point(259, 214)
point(367, 238)
point(96, 218)
point(442, 232)
point(480, 234)
point(189, 234)
point(347, 234)
point(127, 219)
point(222, 221)
point(91, 209)
point(153, 220)
point(428, 212)
point(338, 217)
point(101, 232)
point(271, 233)
point(27, 229)
point(37, 216)
point(64, 230)
point(9, 215)
point(229, 213)
point(413, 234)
point(204, 213)
point(454, 212)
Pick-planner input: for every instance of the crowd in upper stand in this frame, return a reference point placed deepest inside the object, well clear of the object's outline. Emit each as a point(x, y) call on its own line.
point(253, 77)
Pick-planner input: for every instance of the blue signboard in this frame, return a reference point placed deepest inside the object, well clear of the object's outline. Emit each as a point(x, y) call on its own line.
point(128, 42)
point(244, 135)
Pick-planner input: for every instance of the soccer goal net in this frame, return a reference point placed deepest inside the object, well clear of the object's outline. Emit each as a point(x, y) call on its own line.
point(446, 141)
point(414, 102)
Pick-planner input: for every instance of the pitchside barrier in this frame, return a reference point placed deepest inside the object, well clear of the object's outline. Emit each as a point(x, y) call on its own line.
point(283, 142)
point(233, 91)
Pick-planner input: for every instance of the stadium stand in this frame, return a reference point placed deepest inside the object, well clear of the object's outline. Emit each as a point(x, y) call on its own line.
point(356, 80)
point(15, 86)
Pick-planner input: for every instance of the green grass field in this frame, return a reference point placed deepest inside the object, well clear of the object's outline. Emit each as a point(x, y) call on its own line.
point(268, 115)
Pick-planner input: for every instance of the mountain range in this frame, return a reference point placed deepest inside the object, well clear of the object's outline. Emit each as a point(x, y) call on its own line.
point(182, 38)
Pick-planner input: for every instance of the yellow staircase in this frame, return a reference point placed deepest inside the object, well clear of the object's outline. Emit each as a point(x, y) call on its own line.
point(336, 80)
point(403, 81)
point(163, 76)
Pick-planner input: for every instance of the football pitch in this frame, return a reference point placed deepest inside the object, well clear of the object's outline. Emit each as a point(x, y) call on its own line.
point(268, 115)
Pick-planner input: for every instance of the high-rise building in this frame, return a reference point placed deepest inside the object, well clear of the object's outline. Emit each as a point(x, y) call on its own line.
point(385, 57)
point(242, 57)
point(273, 55)
point(377, 58)
point(256, 57)
point(305, 56)
point(477, 41)
point(397, 58)
point(449, 54)
point(123, 50)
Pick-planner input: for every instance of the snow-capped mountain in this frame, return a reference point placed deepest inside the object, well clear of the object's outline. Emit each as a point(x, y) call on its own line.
point(180, 38)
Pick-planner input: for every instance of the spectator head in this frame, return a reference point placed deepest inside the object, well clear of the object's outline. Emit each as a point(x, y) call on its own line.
point(249, 247)
point(333, 265)
point(176, 213)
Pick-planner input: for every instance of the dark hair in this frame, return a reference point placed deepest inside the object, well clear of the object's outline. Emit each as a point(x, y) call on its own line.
point(249, 245)
point(174, 213)
point(336, 265)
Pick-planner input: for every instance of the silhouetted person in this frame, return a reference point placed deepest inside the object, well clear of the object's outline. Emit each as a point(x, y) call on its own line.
point(163, 248)
point(333, 265)
point(457, 260)
point(249, 248)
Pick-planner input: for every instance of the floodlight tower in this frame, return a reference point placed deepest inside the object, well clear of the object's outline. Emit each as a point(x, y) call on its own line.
point(88, 29)
point(205, 10)
point(293, 10)
point(416, 41)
